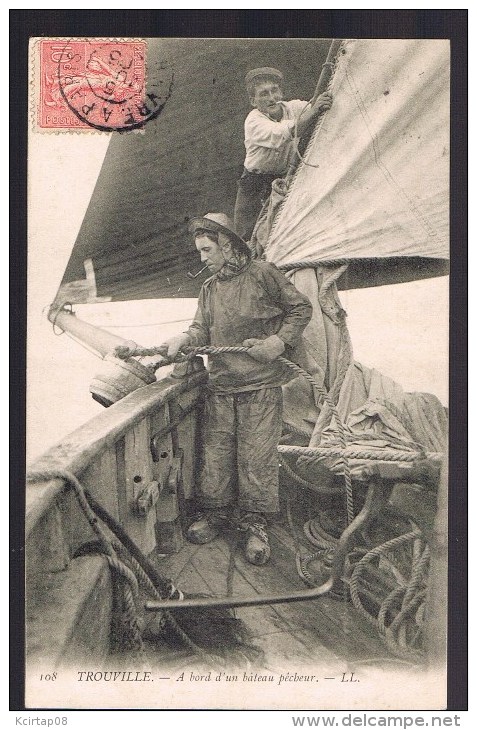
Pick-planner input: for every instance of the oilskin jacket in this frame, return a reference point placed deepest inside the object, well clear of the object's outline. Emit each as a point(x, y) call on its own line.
point(259, 301)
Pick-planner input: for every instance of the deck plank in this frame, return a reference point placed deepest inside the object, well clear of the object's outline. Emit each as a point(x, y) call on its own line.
point(326, 630)
point(341, 613)
point(260, 620)
point(335, 625)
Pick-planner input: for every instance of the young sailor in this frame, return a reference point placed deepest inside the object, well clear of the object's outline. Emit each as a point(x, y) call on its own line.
point(248, 303)
point(270, 129)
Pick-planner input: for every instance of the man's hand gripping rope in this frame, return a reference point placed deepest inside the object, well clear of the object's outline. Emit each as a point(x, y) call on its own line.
point(264, 351)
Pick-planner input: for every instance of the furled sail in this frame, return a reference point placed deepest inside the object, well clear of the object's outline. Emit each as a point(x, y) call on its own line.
point(373, 185)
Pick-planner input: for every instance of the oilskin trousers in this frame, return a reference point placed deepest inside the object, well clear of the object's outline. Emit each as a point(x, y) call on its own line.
point(242, 431)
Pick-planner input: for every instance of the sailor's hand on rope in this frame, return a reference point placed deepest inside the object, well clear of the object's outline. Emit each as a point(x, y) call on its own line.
point(171, 347)
point(124, 351)
point(265, 350)
point(323, 103)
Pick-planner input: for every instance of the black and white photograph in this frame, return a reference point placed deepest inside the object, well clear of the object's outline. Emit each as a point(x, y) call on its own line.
point(237, 396)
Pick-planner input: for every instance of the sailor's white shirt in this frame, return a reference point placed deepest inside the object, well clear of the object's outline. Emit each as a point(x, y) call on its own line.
point(268, 143)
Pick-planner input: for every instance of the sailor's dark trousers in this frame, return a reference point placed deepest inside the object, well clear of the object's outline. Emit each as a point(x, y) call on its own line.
point(240, 468)
point(253, 189)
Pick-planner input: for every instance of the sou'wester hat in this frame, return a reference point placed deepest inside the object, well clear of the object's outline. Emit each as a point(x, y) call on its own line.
point(217, 223)
point(264, 71)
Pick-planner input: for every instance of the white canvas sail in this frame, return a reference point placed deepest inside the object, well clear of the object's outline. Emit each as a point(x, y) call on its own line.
point(374, 181)
point(370, 193)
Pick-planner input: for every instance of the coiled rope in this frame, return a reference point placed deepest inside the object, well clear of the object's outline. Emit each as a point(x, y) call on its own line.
point(301, 561)
point(407, 598)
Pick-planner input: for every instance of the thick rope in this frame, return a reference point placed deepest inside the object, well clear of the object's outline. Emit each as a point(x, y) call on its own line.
point(345, 453)
point(386, 605)
point(358, 453)
point(223, 349)
point(374, 553)
point(400, 646)
point(143, 579)
point(301, 561)
point(409, 596)
point(291, 428)
point(329, 542)
point(133, 639)
point(417, 600)
point(313, 264)
point(417, 576)
point(103, 538)
point(131, 588)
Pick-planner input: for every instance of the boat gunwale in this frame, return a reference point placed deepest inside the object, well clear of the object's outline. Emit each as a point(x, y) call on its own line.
point(79, 448)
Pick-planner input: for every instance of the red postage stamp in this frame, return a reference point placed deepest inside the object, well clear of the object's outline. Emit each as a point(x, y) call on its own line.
point(96, 84)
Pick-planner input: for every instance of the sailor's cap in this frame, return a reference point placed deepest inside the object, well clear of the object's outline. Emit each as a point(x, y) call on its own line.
point(263, 71)
point(218, 223)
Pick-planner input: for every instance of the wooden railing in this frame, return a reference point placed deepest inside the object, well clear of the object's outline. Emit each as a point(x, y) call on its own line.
point(137, 459)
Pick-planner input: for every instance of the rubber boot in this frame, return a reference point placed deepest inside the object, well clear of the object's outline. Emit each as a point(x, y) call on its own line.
point(257, 547)
point(206, 526)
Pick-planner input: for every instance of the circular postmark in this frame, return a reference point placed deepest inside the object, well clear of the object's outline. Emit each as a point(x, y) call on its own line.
point(106, 85)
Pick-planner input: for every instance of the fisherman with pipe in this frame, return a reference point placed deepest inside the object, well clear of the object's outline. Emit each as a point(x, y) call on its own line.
point(250, 303)
point(270, 131)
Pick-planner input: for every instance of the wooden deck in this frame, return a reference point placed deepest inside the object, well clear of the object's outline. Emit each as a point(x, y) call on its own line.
point(326, 632)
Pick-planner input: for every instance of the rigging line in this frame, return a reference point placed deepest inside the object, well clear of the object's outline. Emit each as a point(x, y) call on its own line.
point(153, 324)
point(288, 182)
point(338, 57)
point(296, 140)
point(419, 215)
point(319, 125)
point(90, 349)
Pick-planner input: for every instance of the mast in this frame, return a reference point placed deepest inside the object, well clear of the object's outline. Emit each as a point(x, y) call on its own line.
point(321, 86)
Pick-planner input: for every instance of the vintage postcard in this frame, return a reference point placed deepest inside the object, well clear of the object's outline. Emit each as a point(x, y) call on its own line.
point(237, 405)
